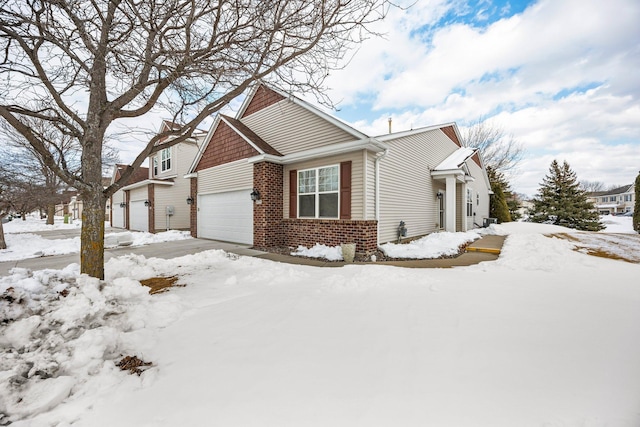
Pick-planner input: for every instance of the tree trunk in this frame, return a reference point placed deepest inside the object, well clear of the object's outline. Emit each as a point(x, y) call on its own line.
point(51, 212)
point(3, 244)
point(92, 235)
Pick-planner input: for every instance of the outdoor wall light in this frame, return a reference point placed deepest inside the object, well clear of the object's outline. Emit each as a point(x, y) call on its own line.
point(147, 203)
point(123, 204)
point(255, 195)
point(439, 195)
point(189, 200)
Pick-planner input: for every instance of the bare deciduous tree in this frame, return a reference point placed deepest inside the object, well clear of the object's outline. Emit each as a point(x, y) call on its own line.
point(500, 151)
point(592, 186)
point(84, 66)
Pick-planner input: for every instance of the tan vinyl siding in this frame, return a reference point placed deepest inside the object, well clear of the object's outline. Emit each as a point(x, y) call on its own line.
point(228, 177)
point(407, 191)
point(480, 188)
point(290, 128)
point(175, 195)
point(357, 207)
point(139, 193)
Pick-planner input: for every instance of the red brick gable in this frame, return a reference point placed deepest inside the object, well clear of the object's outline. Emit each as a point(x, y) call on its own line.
point(263, 98)
point(451, 133)
point(225, 146)
point(476, 158)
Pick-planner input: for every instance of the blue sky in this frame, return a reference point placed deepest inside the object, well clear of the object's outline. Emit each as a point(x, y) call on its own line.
point(561, 76)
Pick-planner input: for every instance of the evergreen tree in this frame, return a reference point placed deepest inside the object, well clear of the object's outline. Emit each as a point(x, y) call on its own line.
point(561, 201)
point(498, 206)
point(636, 208)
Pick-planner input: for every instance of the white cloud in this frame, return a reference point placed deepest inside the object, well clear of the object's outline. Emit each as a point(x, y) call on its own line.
point(560, 76)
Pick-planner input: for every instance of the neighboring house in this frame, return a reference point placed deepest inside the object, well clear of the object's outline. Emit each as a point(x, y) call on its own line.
point(616, 201)
point(284, 173)
point(119, 201)
point(158, 202)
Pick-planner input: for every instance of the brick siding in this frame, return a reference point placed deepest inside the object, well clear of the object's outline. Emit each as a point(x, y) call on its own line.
point(308, 232)
point(225, 146)
point(263, 98)
point(193, 213)
point(152, 209)
point(267, 214)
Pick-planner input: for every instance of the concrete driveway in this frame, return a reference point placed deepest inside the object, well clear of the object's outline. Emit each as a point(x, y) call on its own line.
point(164, 250)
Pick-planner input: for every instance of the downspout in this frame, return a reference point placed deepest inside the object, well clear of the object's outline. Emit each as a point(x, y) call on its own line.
point(377, 193)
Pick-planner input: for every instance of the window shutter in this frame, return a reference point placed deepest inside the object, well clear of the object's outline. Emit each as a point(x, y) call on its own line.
point(345, 190)
point(293, 194)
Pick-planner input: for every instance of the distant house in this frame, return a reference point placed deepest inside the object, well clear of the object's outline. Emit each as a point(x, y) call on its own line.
point(119, 201)
point(616, 201)
point(157, 198)
point(285, 173)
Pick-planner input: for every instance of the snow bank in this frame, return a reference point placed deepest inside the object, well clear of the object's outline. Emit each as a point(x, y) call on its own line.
point(331, 253)
point(434, 245)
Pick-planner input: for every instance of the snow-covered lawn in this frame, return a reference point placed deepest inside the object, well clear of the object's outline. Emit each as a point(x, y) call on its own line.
point(22, 243)
point(544, 336)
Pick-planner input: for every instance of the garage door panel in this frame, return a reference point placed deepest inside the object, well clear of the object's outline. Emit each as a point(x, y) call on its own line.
point(226, 216)
point(117, 216)
point(139, 216)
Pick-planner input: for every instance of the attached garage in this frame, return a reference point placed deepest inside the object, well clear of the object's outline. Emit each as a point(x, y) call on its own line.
point(139, 216)
point(226, 216)
point(117, 216)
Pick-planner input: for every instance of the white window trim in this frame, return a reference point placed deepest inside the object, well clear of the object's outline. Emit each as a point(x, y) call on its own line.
point(154, 165)
point(469, 203)
point(163, 161)
point(317, 192)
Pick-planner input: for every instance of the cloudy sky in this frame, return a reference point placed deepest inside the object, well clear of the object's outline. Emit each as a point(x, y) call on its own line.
point(561, 76)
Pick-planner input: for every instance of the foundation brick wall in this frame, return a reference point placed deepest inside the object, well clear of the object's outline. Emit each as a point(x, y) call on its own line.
point(193, 213)
point(268, 213)
point(308, 232)
point(152, 208)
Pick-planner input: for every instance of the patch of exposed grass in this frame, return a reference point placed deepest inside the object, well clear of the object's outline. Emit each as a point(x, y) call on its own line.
point(160, 284)
point(133, 364)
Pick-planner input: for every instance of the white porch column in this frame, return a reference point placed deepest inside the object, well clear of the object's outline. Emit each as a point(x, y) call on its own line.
point(464, 209)
point(450, 203)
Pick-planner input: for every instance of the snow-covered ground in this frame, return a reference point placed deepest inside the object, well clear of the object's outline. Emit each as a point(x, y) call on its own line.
point(22, 243)
point(544, 336)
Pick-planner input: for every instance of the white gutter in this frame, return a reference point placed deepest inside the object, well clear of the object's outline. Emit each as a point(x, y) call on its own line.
point(146, 182)
point(370, 144)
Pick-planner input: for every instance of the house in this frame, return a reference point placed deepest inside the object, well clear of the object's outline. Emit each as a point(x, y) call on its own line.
point(615, 201)
point(282, 172)
point(120, 213)
point(158, 197)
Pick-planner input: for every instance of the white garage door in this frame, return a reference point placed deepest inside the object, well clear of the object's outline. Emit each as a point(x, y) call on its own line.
point(117, 216)
point(139, 216)
point(226, 216)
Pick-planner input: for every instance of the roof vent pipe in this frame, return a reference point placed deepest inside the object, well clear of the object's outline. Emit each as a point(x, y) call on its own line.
point(389, 124)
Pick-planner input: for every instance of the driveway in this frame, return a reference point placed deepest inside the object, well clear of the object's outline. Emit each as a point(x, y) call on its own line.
point(164, 250)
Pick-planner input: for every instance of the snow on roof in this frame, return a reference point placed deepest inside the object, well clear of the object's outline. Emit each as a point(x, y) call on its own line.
point(455, 159)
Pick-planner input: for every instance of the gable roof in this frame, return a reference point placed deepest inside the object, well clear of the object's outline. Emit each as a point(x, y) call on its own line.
point(140, 174)
point(248, 135)
point(281, 96)
point(456, 159)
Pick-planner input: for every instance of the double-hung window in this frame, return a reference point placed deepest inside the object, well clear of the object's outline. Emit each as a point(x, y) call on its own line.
point(165, 156)
point(469, 202)
point(318, 192)
point(155, 165)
